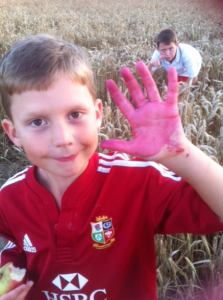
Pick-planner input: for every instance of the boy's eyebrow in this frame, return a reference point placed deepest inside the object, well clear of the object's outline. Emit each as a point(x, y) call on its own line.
point(44, 112)
point(41, 112)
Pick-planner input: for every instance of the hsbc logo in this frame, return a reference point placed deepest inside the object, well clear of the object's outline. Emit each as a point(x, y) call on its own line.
point(71, 283)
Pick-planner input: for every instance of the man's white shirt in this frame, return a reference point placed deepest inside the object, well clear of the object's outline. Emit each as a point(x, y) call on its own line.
point(187, 61)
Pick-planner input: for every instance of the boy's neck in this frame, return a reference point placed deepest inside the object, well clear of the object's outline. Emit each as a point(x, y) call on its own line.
point(56, 185)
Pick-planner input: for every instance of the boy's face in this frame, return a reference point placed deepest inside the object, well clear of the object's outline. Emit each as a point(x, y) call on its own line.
point(168, 52)
point(58, 128)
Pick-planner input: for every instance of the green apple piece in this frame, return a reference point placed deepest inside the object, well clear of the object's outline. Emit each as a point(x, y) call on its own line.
point(11, 277)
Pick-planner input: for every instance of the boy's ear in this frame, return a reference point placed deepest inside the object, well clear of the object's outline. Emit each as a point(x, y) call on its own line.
point(9, 128)
point(99, 112)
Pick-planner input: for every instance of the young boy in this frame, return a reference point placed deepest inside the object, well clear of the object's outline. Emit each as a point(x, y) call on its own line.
point(83, 223)
point(169, 53)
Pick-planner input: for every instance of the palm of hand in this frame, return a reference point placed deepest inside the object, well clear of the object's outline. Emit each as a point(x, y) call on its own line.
point(156, 125)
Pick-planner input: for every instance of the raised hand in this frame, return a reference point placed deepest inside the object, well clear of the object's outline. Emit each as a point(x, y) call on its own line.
point(156, 125)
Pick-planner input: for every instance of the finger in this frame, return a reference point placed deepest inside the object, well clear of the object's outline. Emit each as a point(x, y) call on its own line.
point(122, 103)
point(14, 294)
point(116, 145)
point(134, 88)
point(25, 291)
point(18, 293)
point(148, 82)
point(172, 91)
point(155, 63)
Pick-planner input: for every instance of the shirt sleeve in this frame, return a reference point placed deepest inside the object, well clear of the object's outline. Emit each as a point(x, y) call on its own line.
point(12, 252)
point(177, 208)
point(192, 62)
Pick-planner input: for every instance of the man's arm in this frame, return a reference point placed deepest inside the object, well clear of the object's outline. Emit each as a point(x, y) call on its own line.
point(154, 63)
point(150, 66)
point(192, 64)
point(194, 80)
point(158, 135)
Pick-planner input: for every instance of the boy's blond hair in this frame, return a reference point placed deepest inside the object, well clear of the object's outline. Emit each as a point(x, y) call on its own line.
point(33, 63)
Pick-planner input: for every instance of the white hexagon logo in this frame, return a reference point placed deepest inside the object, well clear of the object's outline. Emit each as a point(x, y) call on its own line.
point(70, 282)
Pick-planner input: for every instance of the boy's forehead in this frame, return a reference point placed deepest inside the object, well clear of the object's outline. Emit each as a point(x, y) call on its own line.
point(62, 90)
point(61, 83)
point(163, 45)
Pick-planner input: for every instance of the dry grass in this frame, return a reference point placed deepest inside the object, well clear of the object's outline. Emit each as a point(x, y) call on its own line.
point(118, 33)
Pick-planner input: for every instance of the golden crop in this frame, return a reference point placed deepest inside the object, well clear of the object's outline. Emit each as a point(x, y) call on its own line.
point(119, 33)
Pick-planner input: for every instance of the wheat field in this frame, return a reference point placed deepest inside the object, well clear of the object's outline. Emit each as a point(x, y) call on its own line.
point(119, 33)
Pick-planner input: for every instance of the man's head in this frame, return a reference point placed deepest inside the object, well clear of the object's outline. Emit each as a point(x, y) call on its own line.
point(33, 64)
point(167, 44)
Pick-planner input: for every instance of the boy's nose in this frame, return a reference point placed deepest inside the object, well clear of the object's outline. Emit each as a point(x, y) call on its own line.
point(62, 135)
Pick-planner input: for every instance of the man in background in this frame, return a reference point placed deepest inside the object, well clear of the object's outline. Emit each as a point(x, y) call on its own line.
point(169, 53)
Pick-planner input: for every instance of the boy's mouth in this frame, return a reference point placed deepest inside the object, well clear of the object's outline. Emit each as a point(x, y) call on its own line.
point(66, 158)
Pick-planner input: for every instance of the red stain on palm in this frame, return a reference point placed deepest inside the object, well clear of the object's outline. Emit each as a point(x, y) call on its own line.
point(179, 150)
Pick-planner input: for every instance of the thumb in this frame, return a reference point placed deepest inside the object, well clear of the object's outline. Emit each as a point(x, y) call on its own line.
point(117, 145)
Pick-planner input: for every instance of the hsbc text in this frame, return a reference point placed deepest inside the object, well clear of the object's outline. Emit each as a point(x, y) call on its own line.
point(53, 296)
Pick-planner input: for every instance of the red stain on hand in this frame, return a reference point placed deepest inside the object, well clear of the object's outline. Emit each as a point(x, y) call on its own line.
point(179, 150)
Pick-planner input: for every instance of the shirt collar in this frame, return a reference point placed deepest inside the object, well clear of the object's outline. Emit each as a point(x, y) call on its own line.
point(177, 58)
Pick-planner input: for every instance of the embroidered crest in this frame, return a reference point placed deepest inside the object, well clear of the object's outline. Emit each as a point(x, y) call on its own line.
point(102, 232)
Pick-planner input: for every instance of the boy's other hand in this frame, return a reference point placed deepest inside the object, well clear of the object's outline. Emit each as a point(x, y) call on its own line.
point(156, 125)
point(18, 293)
point(155, 62)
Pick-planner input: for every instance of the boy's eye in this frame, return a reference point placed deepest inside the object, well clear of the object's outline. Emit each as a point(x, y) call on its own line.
point(165, 50)
point(75, 115)
point(38, 122)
